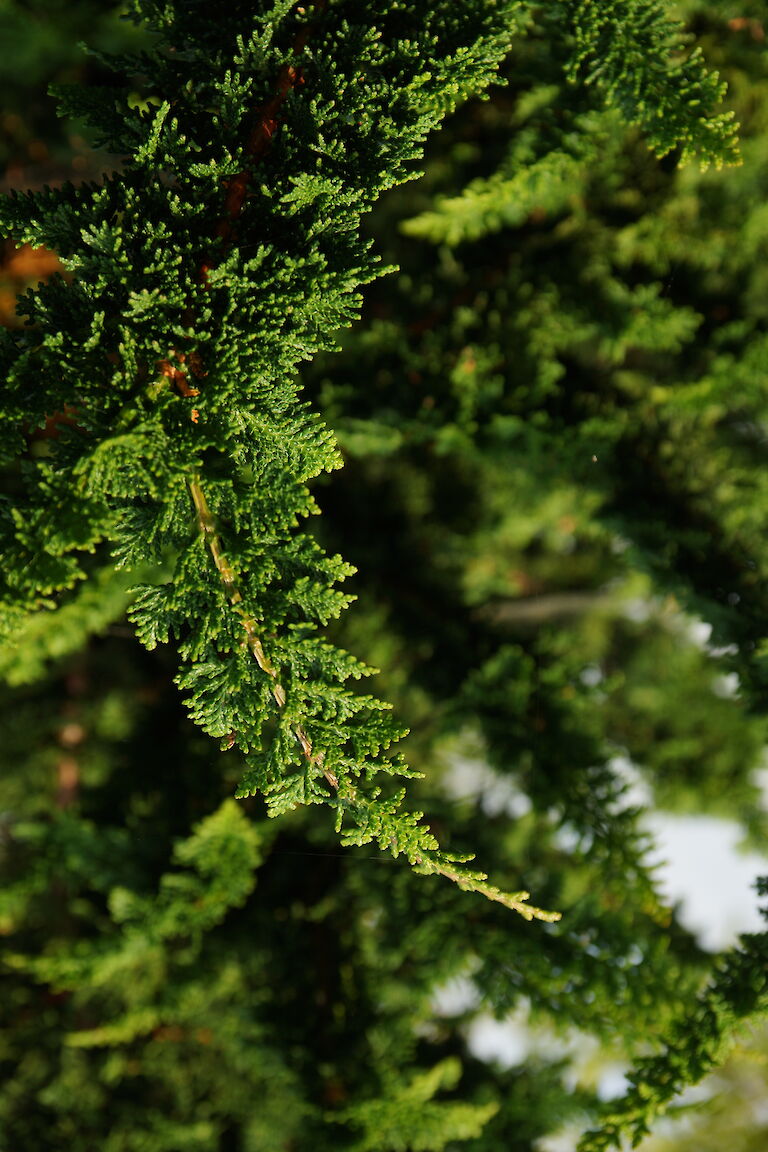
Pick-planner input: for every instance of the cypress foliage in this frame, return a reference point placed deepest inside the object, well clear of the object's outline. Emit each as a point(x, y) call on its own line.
point(176, 284)
point(158, 453)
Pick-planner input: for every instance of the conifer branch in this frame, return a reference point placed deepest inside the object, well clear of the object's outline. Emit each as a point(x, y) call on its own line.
point(237, 190)
point(207, 526)
point(225, 254)
point(238, 318)
point(426, 858)
point(256, 146)
point(696, 1043)
point(260, 138)
point(258, 143)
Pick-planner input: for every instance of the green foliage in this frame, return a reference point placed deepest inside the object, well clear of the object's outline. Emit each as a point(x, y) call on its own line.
point(632, 52)
point(221, 856)
point(550, 429)
point(159, 299)
point(732, 1114)
point(411, 1119)
point(695, 1044)
point(164, 294)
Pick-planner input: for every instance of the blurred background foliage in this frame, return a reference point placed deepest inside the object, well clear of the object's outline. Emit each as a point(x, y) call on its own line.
point(553, 420)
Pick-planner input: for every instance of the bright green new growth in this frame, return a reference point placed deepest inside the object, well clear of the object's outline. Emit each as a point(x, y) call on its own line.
point(225, 253)
point(631, 50)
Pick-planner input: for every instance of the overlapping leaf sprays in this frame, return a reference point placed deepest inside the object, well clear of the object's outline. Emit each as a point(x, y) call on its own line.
point(224, 253)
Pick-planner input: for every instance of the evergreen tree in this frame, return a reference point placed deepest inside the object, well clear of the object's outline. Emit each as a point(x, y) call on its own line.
point(550, 417)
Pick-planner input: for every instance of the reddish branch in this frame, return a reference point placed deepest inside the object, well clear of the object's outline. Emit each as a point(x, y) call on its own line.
point(259, 140)
point(288, 78)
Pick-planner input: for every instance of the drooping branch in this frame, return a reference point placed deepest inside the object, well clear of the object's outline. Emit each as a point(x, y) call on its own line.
point(258, 143)
point(425, 855)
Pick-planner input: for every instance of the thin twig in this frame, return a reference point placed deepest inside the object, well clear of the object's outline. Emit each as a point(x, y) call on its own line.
point(208, 529)
point(237, 190)
point(256, 146)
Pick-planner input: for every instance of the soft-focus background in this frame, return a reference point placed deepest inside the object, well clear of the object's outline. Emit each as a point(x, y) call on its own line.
point(553, 420)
